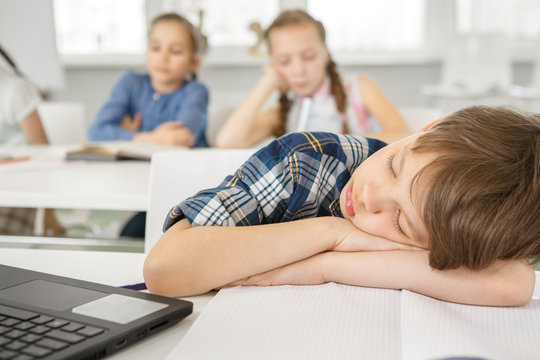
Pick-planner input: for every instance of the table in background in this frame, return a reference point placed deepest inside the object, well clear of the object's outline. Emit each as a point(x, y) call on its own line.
point(48, 181)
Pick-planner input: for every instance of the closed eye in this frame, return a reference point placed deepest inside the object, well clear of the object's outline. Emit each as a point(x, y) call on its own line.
point(396, 222)
point(389, 165)
point(395, 217)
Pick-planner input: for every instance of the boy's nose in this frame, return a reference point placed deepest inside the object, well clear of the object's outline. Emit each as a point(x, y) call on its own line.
point(376, 197)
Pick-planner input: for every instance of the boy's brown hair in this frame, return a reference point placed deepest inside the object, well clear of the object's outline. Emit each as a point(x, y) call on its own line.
point(300, 17)
point(484, 202)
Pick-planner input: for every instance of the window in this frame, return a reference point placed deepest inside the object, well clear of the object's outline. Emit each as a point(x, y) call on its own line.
point(225, 23)
point(119, 26)
point(518, 18)
point(100, 26)
point(356, 29)
point(105, 27)
point(383, 25)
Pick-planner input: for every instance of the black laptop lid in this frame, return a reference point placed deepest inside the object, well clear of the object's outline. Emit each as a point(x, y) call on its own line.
point(125, 316)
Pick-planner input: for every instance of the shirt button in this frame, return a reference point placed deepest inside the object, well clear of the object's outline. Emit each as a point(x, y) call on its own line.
point(155, 96)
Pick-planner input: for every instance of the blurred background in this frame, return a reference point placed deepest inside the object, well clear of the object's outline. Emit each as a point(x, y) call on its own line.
point(444, 54)
point(430, 57)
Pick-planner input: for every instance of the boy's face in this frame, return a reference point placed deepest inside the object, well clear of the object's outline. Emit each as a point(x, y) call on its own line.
point(379, 200)
point(170, 55)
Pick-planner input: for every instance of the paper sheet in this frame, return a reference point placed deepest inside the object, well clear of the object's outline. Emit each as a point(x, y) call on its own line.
point(304, 114)
point(334, 321)
point(329, 321)
point(433, 329)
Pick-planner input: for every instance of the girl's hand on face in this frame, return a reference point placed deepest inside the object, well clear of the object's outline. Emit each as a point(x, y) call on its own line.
point(130, 124)
point(272, 75)
point(354, 239)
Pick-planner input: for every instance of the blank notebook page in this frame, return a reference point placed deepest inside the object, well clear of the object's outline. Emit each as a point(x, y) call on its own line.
point(329, 321)
point(433, 329)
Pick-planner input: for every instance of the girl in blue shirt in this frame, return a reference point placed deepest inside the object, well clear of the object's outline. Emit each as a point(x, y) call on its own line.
point(167, 105)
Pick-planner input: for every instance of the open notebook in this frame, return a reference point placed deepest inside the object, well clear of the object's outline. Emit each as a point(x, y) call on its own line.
point(334, 321)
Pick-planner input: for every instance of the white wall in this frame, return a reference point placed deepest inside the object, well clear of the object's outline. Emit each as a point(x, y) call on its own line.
point(27, 35)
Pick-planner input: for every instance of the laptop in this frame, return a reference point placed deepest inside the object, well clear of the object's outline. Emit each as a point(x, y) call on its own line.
point(44, 316)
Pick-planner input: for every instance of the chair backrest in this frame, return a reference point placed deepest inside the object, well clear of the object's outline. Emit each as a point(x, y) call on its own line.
point(418, 117)
point(535, 77)
point(63, 122)
point(477, 62)
point(217, 114)
point(177, 175)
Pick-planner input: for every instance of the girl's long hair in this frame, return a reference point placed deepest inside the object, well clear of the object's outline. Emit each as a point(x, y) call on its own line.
point(298, 17)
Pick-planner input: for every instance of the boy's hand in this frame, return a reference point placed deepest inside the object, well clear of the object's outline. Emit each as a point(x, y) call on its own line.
point(354, 239)
point(130, 124)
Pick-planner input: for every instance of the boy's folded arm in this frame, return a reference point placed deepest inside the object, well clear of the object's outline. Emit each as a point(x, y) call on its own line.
point(193, 260)
point(504, 283)
point(188, 261)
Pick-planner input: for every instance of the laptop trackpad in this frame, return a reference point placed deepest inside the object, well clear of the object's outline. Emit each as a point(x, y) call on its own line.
point(59, 297)
point(50, 295)
point(119, 308)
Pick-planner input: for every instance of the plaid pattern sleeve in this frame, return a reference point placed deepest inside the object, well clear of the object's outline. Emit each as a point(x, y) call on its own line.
point(297, 176)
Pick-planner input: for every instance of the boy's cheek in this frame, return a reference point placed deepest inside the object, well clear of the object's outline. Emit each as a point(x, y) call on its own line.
point(376, 225)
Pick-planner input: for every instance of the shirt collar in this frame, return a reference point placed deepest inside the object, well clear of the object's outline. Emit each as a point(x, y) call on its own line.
point(322, 91)
point(335, 209)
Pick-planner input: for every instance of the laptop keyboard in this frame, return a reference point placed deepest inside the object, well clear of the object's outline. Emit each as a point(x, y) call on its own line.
point(26, 335)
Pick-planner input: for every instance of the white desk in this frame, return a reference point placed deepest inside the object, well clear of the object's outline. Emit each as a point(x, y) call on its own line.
point(48, 181)
point(115, 269)
point(111, 268)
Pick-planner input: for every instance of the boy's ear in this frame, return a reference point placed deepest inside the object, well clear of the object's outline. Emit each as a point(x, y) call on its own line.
point(195, 63)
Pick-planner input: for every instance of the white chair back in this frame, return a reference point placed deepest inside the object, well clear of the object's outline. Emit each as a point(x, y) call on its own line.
point(528, 94)
point(418, 117)
point(477, 63)
point(63, 122)
point(177, 175)
point(217, 114)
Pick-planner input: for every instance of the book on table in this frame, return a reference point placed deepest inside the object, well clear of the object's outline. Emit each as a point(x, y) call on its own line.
point(113, 151)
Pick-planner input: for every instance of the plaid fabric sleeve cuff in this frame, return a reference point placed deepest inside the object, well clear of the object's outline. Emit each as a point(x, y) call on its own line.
point(221, 206)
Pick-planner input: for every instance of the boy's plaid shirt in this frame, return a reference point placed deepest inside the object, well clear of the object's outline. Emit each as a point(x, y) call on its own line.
point(299, 175)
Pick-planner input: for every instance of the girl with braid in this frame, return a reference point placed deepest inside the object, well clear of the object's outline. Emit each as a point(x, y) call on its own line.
point(313, 97)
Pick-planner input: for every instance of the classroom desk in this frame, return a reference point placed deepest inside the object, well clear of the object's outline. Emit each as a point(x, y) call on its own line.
point(115, 269)
point(111, 268)
point(48, 181)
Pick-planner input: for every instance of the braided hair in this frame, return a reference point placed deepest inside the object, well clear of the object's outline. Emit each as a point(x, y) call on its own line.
point(296, 17)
